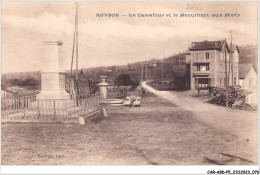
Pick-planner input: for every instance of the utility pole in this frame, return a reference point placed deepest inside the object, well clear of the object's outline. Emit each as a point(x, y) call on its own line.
point(179, 60)
point(226, 82)
point(146, 72)
point(73, 48)
point(142, 72)
point(150, 72)
point(231, 58)
point(155, 73)
point(162, 72)
point(77, 72)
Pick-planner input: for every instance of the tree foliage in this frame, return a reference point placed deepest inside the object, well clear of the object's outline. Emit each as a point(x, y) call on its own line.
point(125, 80)
point(28, 81)
point(93, 88)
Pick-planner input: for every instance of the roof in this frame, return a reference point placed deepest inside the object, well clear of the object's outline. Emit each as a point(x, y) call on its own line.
point(234, 47)
point(244, 70)
point(208, 45)
point(19, 91)
point(179, 70)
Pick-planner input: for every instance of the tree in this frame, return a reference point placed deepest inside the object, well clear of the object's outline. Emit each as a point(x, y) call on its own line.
point(124, 80)
point(93, 88)
point(30, 81)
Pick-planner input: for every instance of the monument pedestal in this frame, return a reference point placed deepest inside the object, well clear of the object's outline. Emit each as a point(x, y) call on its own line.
point(103, 89)
point(52, 78)
point(53, 85)
point(103, 95)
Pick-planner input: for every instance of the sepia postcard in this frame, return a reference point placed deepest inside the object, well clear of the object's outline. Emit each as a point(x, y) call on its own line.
point(130, 83)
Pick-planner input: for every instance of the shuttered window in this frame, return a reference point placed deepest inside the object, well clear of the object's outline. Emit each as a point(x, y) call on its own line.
point(207, 55)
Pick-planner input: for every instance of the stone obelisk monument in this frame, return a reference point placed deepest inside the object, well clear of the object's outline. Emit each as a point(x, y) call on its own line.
point(52, 78)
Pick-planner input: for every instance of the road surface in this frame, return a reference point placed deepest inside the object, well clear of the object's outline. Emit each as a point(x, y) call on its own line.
point(238, 122)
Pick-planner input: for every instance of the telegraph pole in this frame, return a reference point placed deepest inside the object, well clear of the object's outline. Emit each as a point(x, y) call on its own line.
point(142, 72)
point(155, 74)
point(226, 82)
point(75, 48)
point(77, 72)
point(146, 72)
point(231, 58)
point(162, 72)
point(150, 72)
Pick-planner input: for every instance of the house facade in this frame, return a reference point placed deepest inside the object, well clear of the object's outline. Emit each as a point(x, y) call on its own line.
point(248, 81)
point(206, 61)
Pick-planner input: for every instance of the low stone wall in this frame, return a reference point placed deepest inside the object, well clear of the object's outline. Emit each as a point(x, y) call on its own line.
point(41, 119)
point(51, 117)
point(93, 116)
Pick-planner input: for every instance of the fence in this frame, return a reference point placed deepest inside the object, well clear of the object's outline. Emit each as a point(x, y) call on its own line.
point(17, 103)
point(52, 109)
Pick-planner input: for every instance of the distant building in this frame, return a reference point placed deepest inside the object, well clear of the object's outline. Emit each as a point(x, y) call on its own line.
point(5, 94)
point(206, 61)
point(18, 92)
point(248, 80)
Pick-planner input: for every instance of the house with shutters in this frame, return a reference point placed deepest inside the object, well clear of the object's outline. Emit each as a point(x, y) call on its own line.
point(206, 61)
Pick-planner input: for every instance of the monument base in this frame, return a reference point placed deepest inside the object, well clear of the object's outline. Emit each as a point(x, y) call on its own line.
point(53, 96)
point(53, 86)
point(57, 105)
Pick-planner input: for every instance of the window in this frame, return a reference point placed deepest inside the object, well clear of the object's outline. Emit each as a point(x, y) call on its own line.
point(197, 56)
point(235, 80)
point(198, 67)
point(221, 55)
point(203, 68)
point(207, 55)
point(203, 83)
point(207, 67)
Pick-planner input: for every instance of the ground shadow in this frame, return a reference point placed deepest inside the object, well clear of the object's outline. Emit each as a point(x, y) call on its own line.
point(143, 154)
point(236, 157)
point(228, 159)
point(146, 158)
point(211, 161)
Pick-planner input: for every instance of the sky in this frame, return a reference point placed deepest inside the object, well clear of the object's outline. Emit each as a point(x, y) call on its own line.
point(106, 41)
